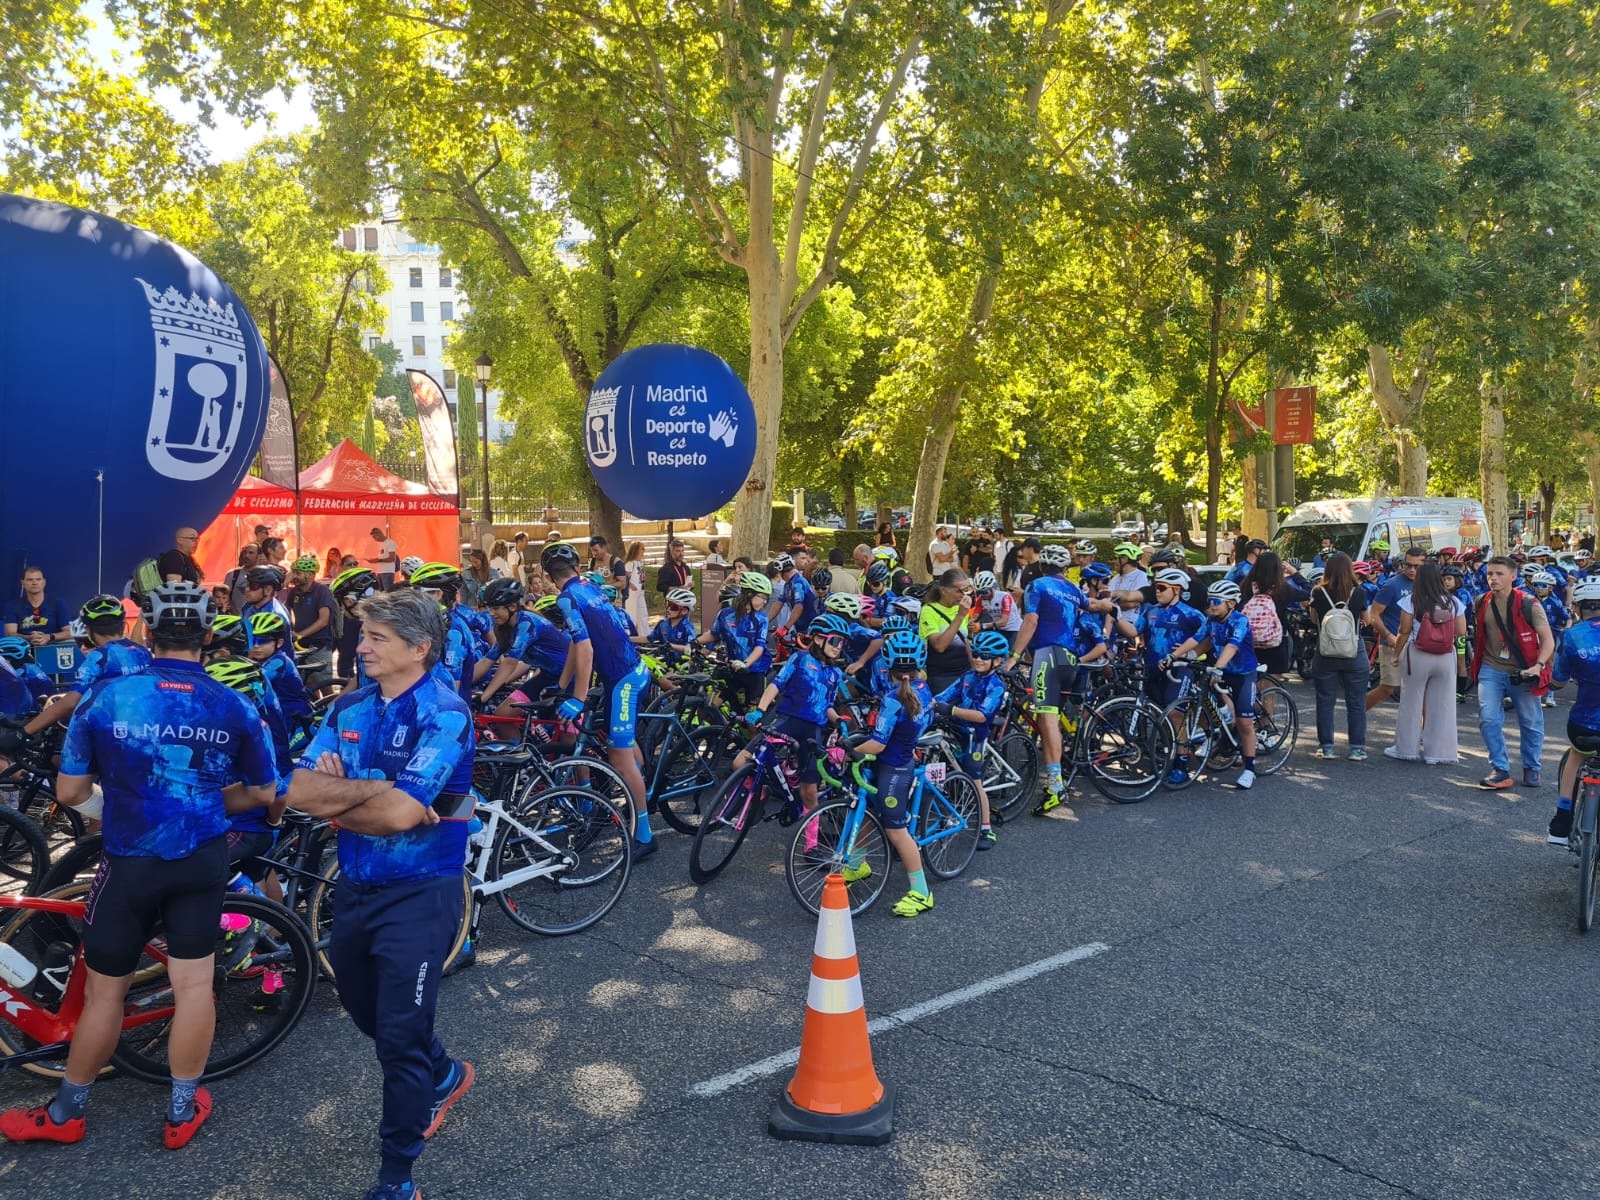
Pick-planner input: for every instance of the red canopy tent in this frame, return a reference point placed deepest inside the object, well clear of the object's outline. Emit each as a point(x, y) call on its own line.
point(342, 499)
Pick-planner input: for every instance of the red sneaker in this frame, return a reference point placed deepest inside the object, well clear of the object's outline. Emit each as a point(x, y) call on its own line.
point(441, 1104)
point(35, 1125)
point(177, 1136)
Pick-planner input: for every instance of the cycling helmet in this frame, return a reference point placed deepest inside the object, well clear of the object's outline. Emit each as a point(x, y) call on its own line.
point(1083, 546)
point(240, 674)
point(755, 581)
point(558, 554)
point(905, 649)
point(682, 597)
point(1517, 556)
point(1540, 579)
point(1586, 592)
point(595, 577)
point(1130, 552)
point(1172, 577)
point(1362, 569)
point(1096, 570)
point(269, 625)
point(1379, 547)
point(1448, 569)
point(1451, 551)
point(181, 608)
point(545, 605)
point(307, 563)
point(1054, 555)
point(821, 578)
point(984, 581)
point(828, 624)
point(909, 605)
point(990, 645)
point(78, 630)
point(1539, 552)
point(1294, 562)
point(846, 605)
point(887, 554)
point(98, 608)
point(16, 649)
point(1224, 591)
point(1582, 555)
point(729, 593)
point(1314, 575)
point(877, 573)
point(914, 591)
point(436, 576)
point(899, 581)
point(898, 621)
point(409, 565)
point(609, 592)
point(230, 633)
point(357, 581)
point(268, 577)
point(783, 563)
point(502, 593)
point(1164, 558)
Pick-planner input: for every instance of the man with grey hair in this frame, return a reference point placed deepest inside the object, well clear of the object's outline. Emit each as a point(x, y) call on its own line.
point(393, 763)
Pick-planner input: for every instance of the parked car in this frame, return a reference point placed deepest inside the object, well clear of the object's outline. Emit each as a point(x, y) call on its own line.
point(1061, 526)
point(867, 518)
point(1027, 521)
point(1127, 529)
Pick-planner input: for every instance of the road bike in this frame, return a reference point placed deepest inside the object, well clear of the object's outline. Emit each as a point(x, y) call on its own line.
point(741, 803)
point(1585, 840)
point(1205, 725)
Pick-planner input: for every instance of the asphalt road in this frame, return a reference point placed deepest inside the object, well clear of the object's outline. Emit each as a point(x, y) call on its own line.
point(1357, 980)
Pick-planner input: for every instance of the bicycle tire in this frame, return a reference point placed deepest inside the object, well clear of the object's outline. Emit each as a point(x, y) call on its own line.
point(808, 871)
point(603, 778)
point(700, 752)
point(1588, 854)
point(321, 911)
point(1129, 748)
point(1275, 731)
point(80, 862)
point(723, 830)
point(949, 856)
point(1021, 754)
point(591, 839)
point(24, 854)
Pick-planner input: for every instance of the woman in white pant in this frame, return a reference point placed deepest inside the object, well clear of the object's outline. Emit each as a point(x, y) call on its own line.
point(1431, 653)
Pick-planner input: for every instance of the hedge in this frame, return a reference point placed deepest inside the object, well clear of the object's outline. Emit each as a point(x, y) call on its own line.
point(823, 540)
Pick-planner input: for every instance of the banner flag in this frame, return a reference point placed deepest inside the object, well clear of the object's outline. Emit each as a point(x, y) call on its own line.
point(438, 434)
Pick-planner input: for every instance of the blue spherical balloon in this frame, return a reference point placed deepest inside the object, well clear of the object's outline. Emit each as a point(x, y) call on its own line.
point(669, 431)
point(132, 400)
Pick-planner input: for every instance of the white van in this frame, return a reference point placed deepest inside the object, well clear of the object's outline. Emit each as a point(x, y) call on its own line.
point(1405, 522)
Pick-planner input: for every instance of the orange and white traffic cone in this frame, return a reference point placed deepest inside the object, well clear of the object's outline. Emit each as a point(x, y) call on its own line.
point(835, 1095)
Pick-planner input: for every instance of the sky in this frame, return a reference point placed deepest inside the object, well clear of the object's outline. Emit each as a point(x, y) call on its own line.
point(227, 138)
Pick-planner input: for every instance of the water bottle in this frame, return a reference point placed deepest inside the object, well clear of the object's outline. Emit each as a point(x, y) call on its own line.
point(16, 969)
point(54, 970)
point(243, 883)
point(477, 831)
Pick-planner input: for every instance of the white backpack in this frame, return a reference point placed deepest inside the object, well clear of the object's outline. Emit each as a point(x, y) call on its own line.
point(1338, 636)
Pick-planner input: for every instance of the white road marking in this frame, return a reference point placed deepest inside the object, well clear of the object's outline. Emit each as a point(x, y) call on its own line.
point(905, 1016)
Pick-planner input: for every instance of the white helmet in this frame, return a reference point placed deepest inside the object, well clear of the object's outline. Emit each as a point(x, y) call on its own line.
point(1055, 555)
point(1539, 552)
point(984, 581)
point(1314, 575)
point(1586, 591)
point(1224, 590)
point(682, 597)
point(845, 604)
point(888, 554)
point(909, 605)
point(1172, 577)
point(1540, 579)
point(409, 565)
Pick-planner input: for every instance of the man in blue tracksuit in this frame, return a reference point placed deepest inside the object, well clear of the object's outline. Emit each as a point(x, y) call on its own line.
point(393, 763)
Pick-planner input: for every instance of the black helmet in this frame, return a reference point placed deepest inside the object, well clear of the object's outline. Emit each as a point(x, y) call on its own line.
point(101, 608)
point(822, 578)
point(503, 593)
point(264, 577)
point(558, 554)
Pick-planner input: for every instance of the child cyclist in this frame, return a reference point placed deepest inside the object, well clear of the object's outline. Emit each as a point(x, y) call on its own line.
point(1227, 637)
point(1578, 661)
point(972, 702)
point(1545, 585)
point(675, 633)
point(903, 717)
point(272, 650)
point(741, 629)
point(1165, 626)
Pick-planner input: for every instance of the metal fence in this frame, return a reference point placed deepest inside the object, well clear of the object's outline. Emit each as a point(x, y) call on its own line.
point(508, 508)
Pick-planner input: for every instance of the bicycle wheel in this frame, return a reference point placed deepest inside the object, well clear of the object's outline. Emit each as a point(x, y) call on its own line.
point(818, 850)
point(1275, 730)
point(696, 756)
point(1588, 854)
point(323, 909)
point(566, 858)
point(80, 862)
point(947, 829)
point(24, 854)
point(1011, 774)
point(1129, 748)
point(50, 942)
point(594, 774)
point(262, 982)
point(734, 808)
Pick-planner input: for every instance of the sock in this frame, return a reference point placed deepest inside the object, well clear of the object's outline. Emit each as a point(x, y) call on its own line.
point(182, 1106)
point(643, 832)
point(919, 882)
point(1052, 776)
point(1563, 803)
point(1249, 762)
point(984, 827)
point(71, 1099)
point(809, 837)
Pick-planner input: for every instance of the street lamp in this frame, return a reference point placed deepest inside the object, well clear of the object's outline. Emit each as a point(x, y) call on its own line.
point(485, 367)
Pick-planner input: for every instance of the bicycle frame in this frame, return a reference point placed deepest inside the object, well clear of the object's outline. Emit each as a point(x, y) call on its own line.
point(940, 803)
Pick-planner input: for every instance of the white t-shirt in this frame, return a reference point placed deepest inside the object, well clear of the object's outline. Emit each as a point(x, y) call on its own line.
point(1460, 605)
point(943, 554)
point(391, 557)
point(1130, 581)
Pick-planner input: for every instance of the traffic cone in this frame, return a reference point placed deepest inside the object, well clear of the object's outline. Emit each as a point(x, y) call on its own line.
point(835, 1095)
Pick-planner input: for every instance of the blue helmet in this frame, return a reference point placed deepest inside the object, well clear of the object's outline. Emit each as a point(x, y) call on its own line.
point(990, 645)
point(1096, 570)
point(903, 648)
point(828, 623)
point(898, 621)
point(16, 649)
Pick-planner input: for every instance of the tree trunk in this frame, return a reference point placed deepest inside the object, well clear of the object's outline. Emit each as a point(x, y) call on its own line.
point(1591, 464)
point(1400, 411)
point(881, 505)
point(1547, 510)
point(1492, 460)
point(847, 500)
point(752, 516)
point(605, 516)
point(1007, 517)
point(1213, 429)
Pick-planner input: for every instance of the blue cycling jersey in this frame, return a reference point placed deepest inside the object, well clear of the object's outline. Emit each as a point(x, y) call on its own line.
point(1555, 612)
point(800, 598)
point(482, 622)
point(547, 648)
point(274, 605)
point(120, 657)
point(422, 740)
point(806, 688)
point(673, 633)
point(165, 742)
point(882, 685)
point(1088, 632)
point(1233, 630)
point(741, 637)
point(615, 657)
point(897, 729)
point(985, 693)
point(285, 679)
point(1057, 603)
point(15, 698)
point(40, 684)
point(265, 701)
point(860, 638)
point(1578, 661)
point(458, 661)
point(1165, 629)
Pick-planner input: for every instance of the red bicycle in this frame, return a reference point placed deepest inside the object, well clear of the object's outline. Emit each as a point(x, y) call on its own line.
point(265, 973)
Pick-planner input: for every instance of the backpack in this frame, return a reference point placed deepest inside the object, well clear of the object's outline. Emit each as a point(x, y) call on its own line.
point(1338, 636)
point(1266, 631)
point(1434, 636)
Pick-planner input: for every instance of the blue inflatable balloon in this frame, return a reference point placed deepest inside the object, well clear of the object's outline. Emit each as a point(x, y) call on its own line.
point(669, 431)
point(132, 400)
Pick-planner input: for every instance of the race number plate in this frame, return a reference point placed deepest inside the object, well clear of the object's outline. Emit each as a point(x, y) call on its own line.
point(936, 772)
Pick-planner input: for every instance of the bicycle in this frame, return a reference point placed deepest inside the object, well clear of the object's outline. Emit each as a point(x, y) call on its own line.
point(24, 854)
point(1585, 840)
point(263, 980)
point(739, 803)
point(1205, 724)
point(27, 786)
point(942, 820)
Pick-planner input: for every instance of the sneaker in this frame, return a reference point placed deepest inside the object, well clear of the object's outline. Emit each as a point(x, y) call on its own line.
point(1246, 780)
point(861, 870)
point(1049, 801)
point(466, 959)
point(1177, 777)
point(986, 839)
point(1548, 702)
point(395, 1191)
point(1392, 752)
point(1530, 778)
point(35, 1125)
point(177, 1134)
point(1496, 781)
point(1324, 752)
point(913, 904)
point(643, 850)
point(1560, 827)
point(456, 1085)
point(1358, 754)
